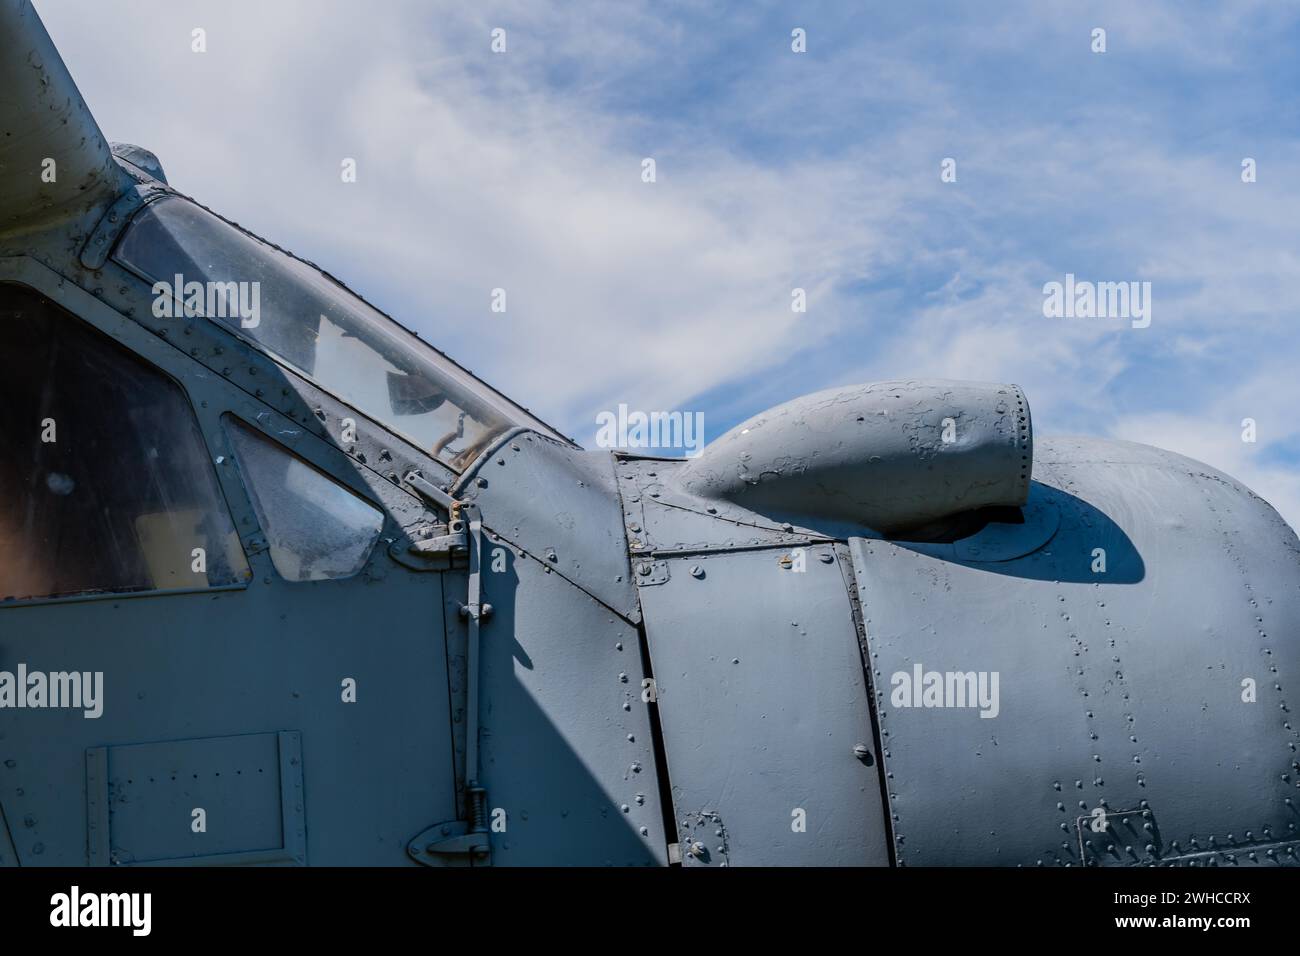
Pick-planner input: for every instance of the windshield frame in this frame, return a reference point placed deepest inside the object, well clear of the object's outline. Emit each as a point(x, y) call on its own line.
point(385, 326)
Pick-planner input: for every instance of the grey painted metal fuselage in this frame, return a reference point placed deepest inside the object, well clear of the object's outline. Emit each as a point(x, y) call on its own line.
point(878, 625)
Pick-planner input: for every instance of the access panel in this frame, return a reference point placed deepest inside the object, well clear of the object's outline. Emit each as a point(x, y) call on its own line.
point(765, 713)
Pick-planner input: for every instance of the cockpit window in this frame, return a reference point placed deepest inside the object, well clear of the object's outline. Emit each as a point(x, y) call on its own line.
point(106, 485)
point(316, 327)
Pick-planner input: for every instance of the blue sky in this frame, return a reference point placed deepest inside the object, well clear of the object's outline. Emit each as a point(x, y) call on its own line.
point(775, 170)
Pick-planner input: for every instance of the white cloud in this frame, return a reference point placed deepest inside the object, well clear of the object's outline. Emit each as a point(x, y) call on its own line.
point(617, 290)
point(522, 171)
point(1212, 432)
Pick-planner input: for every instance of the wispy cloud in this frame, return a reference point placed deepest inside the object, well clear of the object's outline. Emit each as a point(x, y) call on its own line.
point(522, 171)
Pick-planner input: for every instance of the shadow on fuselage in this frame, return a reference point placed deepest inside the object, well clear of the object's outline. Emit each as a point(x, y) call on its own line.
point(1087, 546)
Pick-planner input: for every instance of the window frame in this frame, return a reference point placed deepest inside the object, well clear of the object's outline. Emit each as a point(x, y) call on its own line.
point(231, 423)
point(531, 421)
point(120, 309)
point(64, 297)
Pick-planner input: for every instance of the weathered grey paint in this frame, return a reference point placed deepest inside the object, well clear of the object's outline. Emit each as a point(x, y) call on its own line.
point(567, 744)
point(765, 711)
point(1119, 689)
point(559, 504)
point(43, 118)
point(887, 455)
point(772, 683)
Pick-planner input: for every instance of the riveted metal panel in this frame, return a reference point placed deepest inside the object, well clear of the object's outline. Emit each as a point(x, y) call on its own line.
point(660, 518)
point(1121, 686)
point(890, 455)
point(142, 801)
point(560, 505)
point(272, 654)
point(765, 713)
point(566, 751)
point(43, 115)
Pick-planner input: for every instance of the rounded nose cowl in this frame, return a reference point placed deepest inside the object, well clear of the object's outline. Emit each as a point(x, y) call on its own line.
point(888, 455)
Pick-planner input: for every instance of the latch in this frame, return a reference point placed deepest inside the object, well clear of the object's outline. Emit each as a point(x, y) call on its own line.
point(453, 839)
point(432, 548)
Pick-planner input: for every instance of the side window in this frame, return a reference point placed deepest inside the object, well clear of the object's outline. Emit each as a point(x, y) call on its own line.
point(315, 527)
point(105, 482)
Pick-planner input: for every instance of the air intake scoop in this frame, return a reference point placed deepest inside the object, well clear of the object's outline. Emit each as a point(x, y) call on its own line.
point(888, 455)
